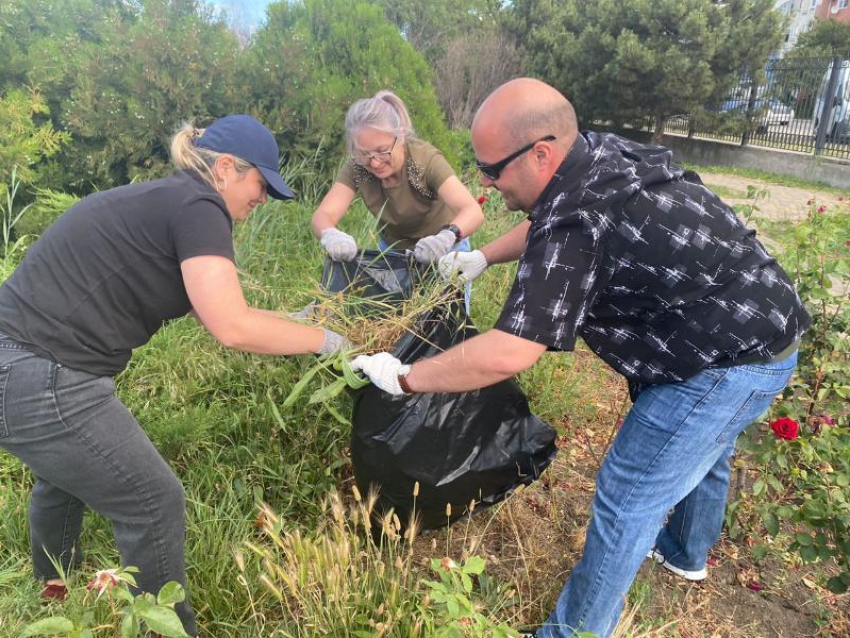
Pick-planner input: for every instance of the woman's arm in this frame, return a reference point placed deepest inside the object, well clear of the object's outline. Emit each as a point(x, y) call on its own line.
point(216, 296)
point(468, 213)
point(332, 208)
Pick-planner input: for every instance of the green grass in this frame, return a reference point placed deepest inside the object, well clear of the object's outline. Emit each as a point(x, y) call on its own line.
point(769, 178)
point(216, 416)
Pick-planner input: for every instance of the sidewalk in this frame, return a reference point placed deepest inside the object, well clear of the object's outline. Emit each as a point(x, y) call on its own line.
point(785, 202)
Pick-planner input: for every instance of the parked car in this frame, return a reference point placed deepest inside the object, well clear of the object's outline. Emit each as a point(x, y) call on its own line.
point(765, 112)
point(836, 107)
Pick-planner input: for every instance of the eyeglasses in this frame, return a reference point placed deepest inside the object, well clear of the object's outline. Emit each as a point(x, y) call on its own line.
point(492, 171)
point(383, 157)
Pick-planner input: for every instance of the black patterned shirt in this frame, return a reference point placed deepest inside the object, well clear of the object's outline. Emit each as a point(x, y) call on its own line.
point(658, 276)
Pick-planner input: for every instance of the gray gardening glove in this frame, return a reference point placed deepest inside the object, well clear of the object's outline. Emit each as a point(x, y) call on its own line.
point(434, 247)
point(338, 245)
point(334, 342)
point(307, 312)
point(467, 266)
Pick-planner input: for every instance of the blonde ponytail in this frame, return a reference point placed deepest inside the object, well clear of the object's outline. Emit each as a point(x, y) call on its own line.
point(186, 156)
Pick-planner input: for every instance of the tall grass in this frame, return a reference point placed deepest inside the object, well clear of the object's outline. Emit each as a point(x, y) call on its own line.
point(216, 415)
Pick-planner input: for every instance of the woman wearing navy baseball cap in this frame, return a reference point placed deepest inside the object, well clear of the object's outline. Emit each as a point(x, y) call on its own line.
point(99, 283)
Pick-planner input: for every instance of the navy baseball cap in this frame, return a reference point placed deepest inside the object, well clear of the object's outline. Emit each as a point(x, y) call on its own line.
point(247, 139)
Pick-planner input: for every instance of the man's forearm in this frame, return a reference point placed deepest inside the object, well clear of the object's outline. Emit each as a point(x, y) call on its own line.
point(481, 361)
point(509, 246)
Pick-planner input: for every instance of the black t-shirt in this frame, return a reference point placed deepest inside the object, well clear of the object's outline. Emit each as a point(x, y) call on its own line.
point(106, 274)
point(656, 274)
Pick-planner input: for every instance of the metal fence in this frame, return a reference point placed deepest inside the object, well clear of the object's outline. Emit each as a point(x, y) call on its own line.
point(802, 105)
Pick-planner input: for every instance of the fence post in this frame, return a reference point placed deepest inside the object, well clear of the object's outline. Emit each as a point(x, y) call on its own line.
point(828, 104)
point(751, 100)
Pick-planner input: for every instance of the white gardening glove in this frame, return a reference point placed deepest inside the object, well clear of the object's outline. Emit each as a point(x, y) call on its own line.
point(338, 245)
point(433, 247)
point(334, 342)
point(383, 369)
point(467, 266)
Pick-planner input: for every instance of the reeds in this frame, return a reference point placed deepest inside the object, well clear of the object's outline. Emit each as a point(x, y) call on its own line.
point(375, 324)
point(371, 324)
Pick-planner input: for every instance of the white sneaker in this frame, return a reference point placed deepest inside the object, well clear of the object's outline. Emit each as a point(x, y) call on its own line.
point(687, 574)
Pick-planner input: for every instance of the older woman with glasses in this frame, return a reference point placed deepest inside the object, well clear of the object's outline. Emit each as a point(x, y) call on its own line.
point(404, 181)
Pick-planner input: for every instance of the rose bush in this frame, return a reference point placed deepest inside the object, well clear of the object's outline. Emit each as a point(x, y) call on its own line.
point(802, 455)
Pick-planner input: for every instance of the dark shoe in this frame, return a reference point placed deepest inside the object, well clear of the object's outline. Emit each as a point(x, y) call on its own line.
point(54, 592)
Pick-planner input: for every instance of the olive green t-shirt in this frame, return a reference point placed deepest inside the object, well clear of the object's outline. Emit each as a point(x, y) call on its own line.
point(412, 209)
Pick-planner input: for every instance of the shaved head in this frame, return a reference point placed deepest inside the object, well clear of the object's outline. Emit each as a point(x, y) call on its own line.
point(526, 109)
point(516, 122)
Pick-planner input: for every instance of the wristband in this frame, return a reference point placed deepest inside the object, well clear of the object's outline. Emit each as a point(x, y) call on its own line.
point(403, 384)
point(455, 229)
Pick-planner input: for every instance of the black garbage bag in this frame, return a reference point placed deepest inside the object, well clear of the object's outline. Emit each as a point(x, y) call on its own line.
point(388, 276)
point(479, 445)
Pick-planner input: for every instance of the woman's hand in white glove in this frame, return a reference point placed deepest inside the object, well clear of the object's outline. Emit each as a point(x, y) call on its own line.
point(338, 245)
point(433, 247)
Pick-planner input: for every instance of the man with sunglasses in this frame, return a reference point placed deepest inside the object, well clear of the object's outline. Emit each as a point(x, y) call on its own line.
point(630, 252)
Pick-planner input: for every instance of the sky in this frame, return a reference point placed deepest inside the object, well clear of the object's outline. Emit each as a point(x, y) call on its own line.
point(248, 13)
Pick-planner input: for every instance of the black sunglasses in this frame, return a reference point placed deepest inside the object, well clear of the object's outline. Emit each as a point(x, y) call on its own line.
point(492, 171)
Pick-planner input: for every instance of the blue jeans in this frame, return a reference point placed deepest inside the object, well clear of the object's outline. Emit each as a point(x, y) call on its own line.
point(463, 246)
point(672, 452)
point(85, 449)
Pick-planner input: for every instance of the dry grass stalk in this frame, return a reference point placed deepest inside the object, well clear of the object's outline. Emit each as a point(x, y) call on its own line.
point(375, 325)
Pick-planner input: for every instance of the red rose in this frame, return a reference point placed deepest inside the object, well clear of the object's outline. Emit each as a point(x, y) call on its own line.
point(785, 428)
point(821, 209)
point(481, 200)
point(827, 419)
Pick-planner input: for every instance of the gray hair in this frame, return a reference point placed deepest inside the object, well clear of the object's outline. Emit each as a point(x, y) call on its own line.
point(384, 112)
point(186, 156)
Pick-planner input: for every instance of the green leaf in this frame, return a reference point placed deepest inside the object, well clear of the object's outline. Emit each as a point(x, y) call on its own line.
point(163, 620)
point(453, 607)
point(474, 565)
point(771, 524)
point(777, 486)
point(809, 554)
point(172, 592)
point(759, 551)
point(48, 627)
point(758, 487)
point(784, 511)
point(467, 582)
point(298, 388)
point(804, 540)
point(328, 392)
point(130, 626)
point(836, 585)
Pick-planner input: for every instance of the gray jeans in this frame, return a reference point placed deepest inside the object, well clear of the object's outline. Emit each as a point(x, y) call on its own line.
point(86, 450)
